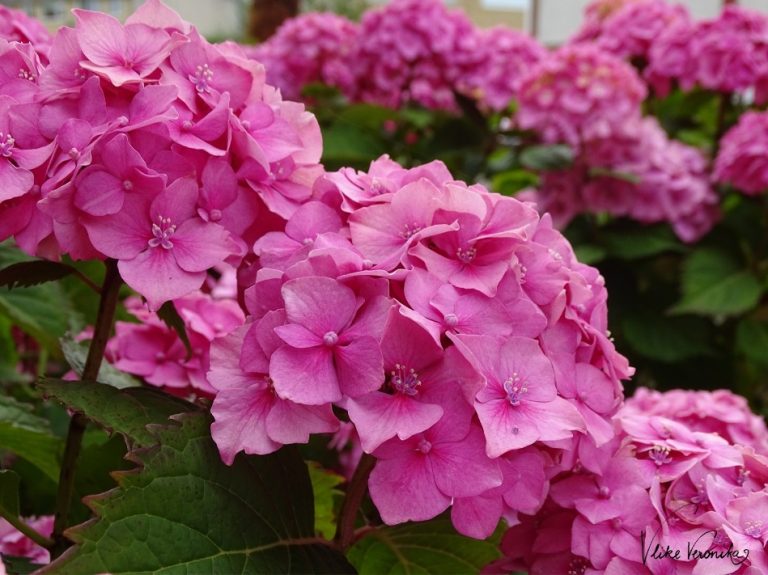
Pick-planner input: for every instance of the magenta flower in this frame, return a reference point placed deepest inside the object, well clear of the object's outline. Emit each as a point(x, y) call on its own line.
point(164, 248)
point(327, 350)
point(15, 544)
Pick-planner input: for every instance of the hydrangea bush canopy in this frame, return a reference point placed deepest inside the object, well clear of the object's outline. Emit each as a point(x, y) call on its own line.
point(291, 368)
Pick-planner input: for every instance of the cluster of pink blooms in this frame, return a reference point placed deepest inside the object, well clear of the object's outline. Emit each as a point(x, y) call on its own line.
point(408, 51)
point(453, 327)
point(15, 544)
point(629, 28)
point(17, 26)
point(681, 490)
point(146, 144)
point(312, 48)
point(742, 160)
point(154, 351)
point(625, 164)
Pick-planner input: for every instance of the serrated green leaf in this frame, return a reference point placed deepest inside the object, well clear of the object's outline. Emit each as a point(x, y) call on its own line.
point(9, 493)
point(752, 340)
point(324, 484)
point(715, 284)
point(170, 317)
point(19, 565)
point(125, 411)
point(641, 242)
point(427, 548)
point(76, 352)
point(667, 339)
point(34, 272)
point(186, 512)
point(547, 158)
point(29, 436)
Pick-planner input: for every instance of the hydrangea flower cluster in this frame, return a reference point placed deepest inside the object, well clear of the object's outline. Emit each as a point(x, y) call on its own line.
point(742, 160)
point(310, 48)
point(578, 94)
point(453, 327)
point(16, 544)
point(629, 29)
point(408, 51)
point(17, 26)
point(676, 492)
point(155, 352)
point(726, 54)
point(146, 144)
point(640, 174)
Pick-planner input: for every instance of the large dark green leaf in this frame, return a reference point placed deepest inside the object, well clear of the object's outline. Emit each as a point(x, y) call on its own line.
point(186, 512)
point(546, 158)
point(667, 339)
point(641, 241)
point(752, 340)
point(126, 411)
point(9, 493)
point(716, 284)
point(34, 272)
point(29, 436)
point(427, 548)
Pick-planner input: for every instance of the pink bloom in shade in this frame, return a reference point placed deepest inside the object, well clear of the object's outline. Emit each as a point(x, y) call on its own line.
point(15, 544)
point(742, 160)
point(164, 248)
point(249, 416)
point(280, 250)
point(415, 365)
point(416, 479)
point(16, 25)
point(519, 404)
point(122, 54)
point(328, 349)
point(383, 233)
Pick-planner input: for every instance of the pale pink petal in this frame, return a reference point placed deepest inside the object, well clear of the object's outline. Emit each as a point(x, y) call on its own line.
point(320, 304)
point(155, 274)
point(305, 376)
point(360, 366)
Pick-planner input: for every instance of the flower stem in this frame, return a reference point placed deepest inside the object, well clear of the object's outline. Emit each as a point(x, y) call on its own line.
point(110, 292)
point(358, 486)
point(29, 531)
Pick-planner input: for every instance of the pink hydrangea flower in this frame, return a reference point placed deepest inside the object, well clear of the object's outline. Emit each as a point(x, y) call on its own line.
point(13, 543)
point(742, 160)
point(17, 26)
point(311, 48)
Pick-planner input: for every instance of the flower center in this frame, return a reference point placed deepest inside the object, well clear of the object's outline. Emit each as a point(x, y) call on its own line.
point(577, 566)
point(203, 74)
point(162, 230)
point(466, 255)
point(604, 492)
point(409, 230)
point(127, 185)
point(754, 529)
point(25, 74)
point(405, 380)
point(515, 387)
point(424, 446)
point(6, 145)
point(451, 319)
point(331, 338)
point(659, 454)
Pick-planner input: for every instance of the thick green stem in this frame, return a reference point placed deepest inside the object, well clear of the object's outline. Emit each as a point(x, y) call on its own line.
point(110, 292)
point(358, 486)
point(30, 532)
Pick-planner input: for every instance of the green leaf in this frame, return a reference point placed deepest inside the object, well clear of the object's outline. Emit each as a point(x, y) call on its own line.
point(126, 411)
point(431, 547)
point(19, 565)
point(170, 317)
point(31, 273)
point(186, 512)
point(589, 253)
point(324, 484)
point(607, 173)
point(547, 158)
point(76, 352)
point(640, 242)
point(667, 339)
point(752, 340)
point(9, 493)
point(715, 284)
point(29, 436)
point(510, 182)
point(345, 143)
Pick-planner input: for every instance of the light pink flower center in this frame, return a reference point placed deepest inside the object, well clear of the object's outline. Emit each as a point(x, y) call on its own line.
point(127, 185)
point(754, 529)
point(466, 255)
point(515, 387)
point(577, 566)
point(6, 145)
point(700, 497)
point(409, 230)
point(405, 380)
point(451, 319)
point(424, 446)
point(25, 74)
point(377, 187)
point(331, 338)
point(203, 74)
point(743, 476)
point(162, 230)
point(604, 492)
point(659, 454)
